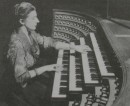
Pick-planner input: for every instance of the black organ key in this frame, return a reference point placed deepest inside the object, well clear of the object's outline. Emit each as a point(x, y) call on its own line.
point(91, 59)
point(64, 72)
point(65, 57)
point(94, 76)
point(66, 52)
point(65, 62)
point(109, 69)
point(63, 83)
point(93, 69)
point(78, 77)
point(101, 48)
point(107, 63)
point(90, 53)
point(64, 77)
point(92, 65)
point(78, 64)
point(91, 56)
point(103, 52)
point(78, 67)
point(105, 58)
point(93, 72)
point(77, 42)
point(65, 65)
point(78, 60)
point(77, 54)
point(63, 90)
point(78, 71)
point(79, 83)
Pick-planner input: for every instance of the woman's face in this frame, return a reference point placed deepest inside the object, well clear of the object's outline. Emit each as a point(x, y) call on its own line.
point(31, 21)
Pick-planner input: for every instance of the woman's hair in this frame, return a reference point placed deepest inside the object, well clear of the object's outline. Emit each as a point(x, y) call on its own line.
point(21, 12)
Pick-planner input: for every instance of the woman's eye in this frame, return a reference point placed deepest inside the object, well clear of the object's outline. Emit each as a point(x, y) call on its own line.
point(34, 18)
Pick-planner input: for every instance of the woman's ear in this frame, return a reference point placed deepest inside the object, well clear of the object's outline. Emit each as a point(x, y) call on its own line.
point(21, 21)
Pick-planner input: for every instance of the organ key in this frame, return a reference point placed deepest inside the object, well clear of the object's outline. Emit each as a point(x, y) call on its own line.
point(103, 68)
point(59, 87)
point(88, 76)
point(73, 80)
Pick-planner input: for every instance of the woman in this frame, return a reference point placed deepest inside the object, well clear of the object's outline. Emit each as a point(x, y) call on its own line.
point(24, 51)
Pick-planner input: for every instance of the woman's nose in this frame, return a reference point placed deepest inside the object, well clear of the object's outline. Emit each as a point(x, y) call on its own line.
point(37, 20)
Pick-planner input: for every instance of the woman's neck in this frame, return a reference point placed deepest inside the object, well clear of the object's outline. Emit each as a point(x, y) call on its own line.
point(26, 32)
point(24, 29)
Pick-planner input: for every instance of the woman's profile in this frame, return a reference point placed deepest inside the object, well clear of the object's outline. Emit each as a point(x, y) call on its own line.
point(24, 52)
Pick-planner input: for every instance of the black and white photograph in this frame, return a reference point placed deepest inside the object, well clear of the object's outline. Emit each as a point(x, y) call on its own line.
point(64, 52)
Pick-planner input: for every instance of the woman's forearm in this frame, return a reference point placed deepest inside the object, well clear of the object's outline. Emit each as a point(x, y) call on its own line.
point(37, 71)
point(72, 46)
point(66, 46)
point(32, 73)
point(40, 70)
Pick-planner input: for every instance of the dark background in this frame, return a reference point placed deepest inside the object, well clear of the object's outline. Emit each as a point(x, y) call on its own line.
point(117, 9)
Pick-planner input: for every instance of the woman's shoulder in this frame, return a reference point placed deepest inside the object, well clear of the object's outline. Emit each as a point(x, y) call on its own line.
point(15, 40)
point(14, 37)
point(14, 45)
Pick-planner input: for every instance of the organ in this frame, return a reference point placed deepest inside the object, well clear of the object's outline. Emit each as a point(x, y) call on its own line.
point(93, 78)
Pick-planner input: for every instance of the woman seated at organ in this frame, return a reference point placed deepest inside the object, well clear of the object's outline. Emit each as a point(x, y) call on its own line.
point(24, 51)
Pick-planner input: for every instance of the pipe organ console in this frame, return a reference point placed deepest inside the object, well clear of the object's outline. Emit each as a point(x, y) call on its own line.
point(93, 78)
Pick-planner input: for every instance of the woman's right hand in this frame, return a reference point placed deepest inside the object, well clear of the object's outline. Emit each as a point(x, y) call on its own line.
point(52, 67)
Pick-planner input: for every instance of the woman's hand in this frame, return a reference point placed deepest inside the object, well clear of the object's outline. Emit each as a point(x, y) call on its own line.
point(47, 42)
point(54, 67)
point(82, 48)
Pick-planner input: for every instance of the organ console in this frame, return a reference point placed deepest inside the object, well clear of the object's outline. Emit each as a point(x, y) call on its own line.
point(93, 78)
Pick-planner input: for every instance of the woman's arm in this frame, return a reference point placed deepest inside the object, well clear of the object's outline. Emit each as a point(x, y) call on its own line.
point(50, 42)
point(67, 46)
point(22, 74)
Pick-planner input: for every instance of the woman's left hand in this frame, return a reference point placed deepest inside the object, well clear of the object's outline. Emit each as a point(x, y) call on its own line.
point(82, 48)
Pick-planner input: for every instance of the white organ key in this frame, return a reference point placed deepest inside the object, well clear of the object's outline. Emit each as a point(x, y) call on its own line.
point(72, 73)
point(86, 68)
point(101, 64)
point(57, 79)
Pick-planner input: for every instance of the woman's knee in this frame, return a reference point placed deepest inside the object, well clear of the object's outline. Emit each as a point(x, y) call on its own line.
point(33, 93)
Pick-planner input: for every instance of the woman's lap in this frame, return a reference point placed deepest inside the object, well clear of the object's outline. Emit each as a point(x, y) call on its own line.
point(38, 90)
